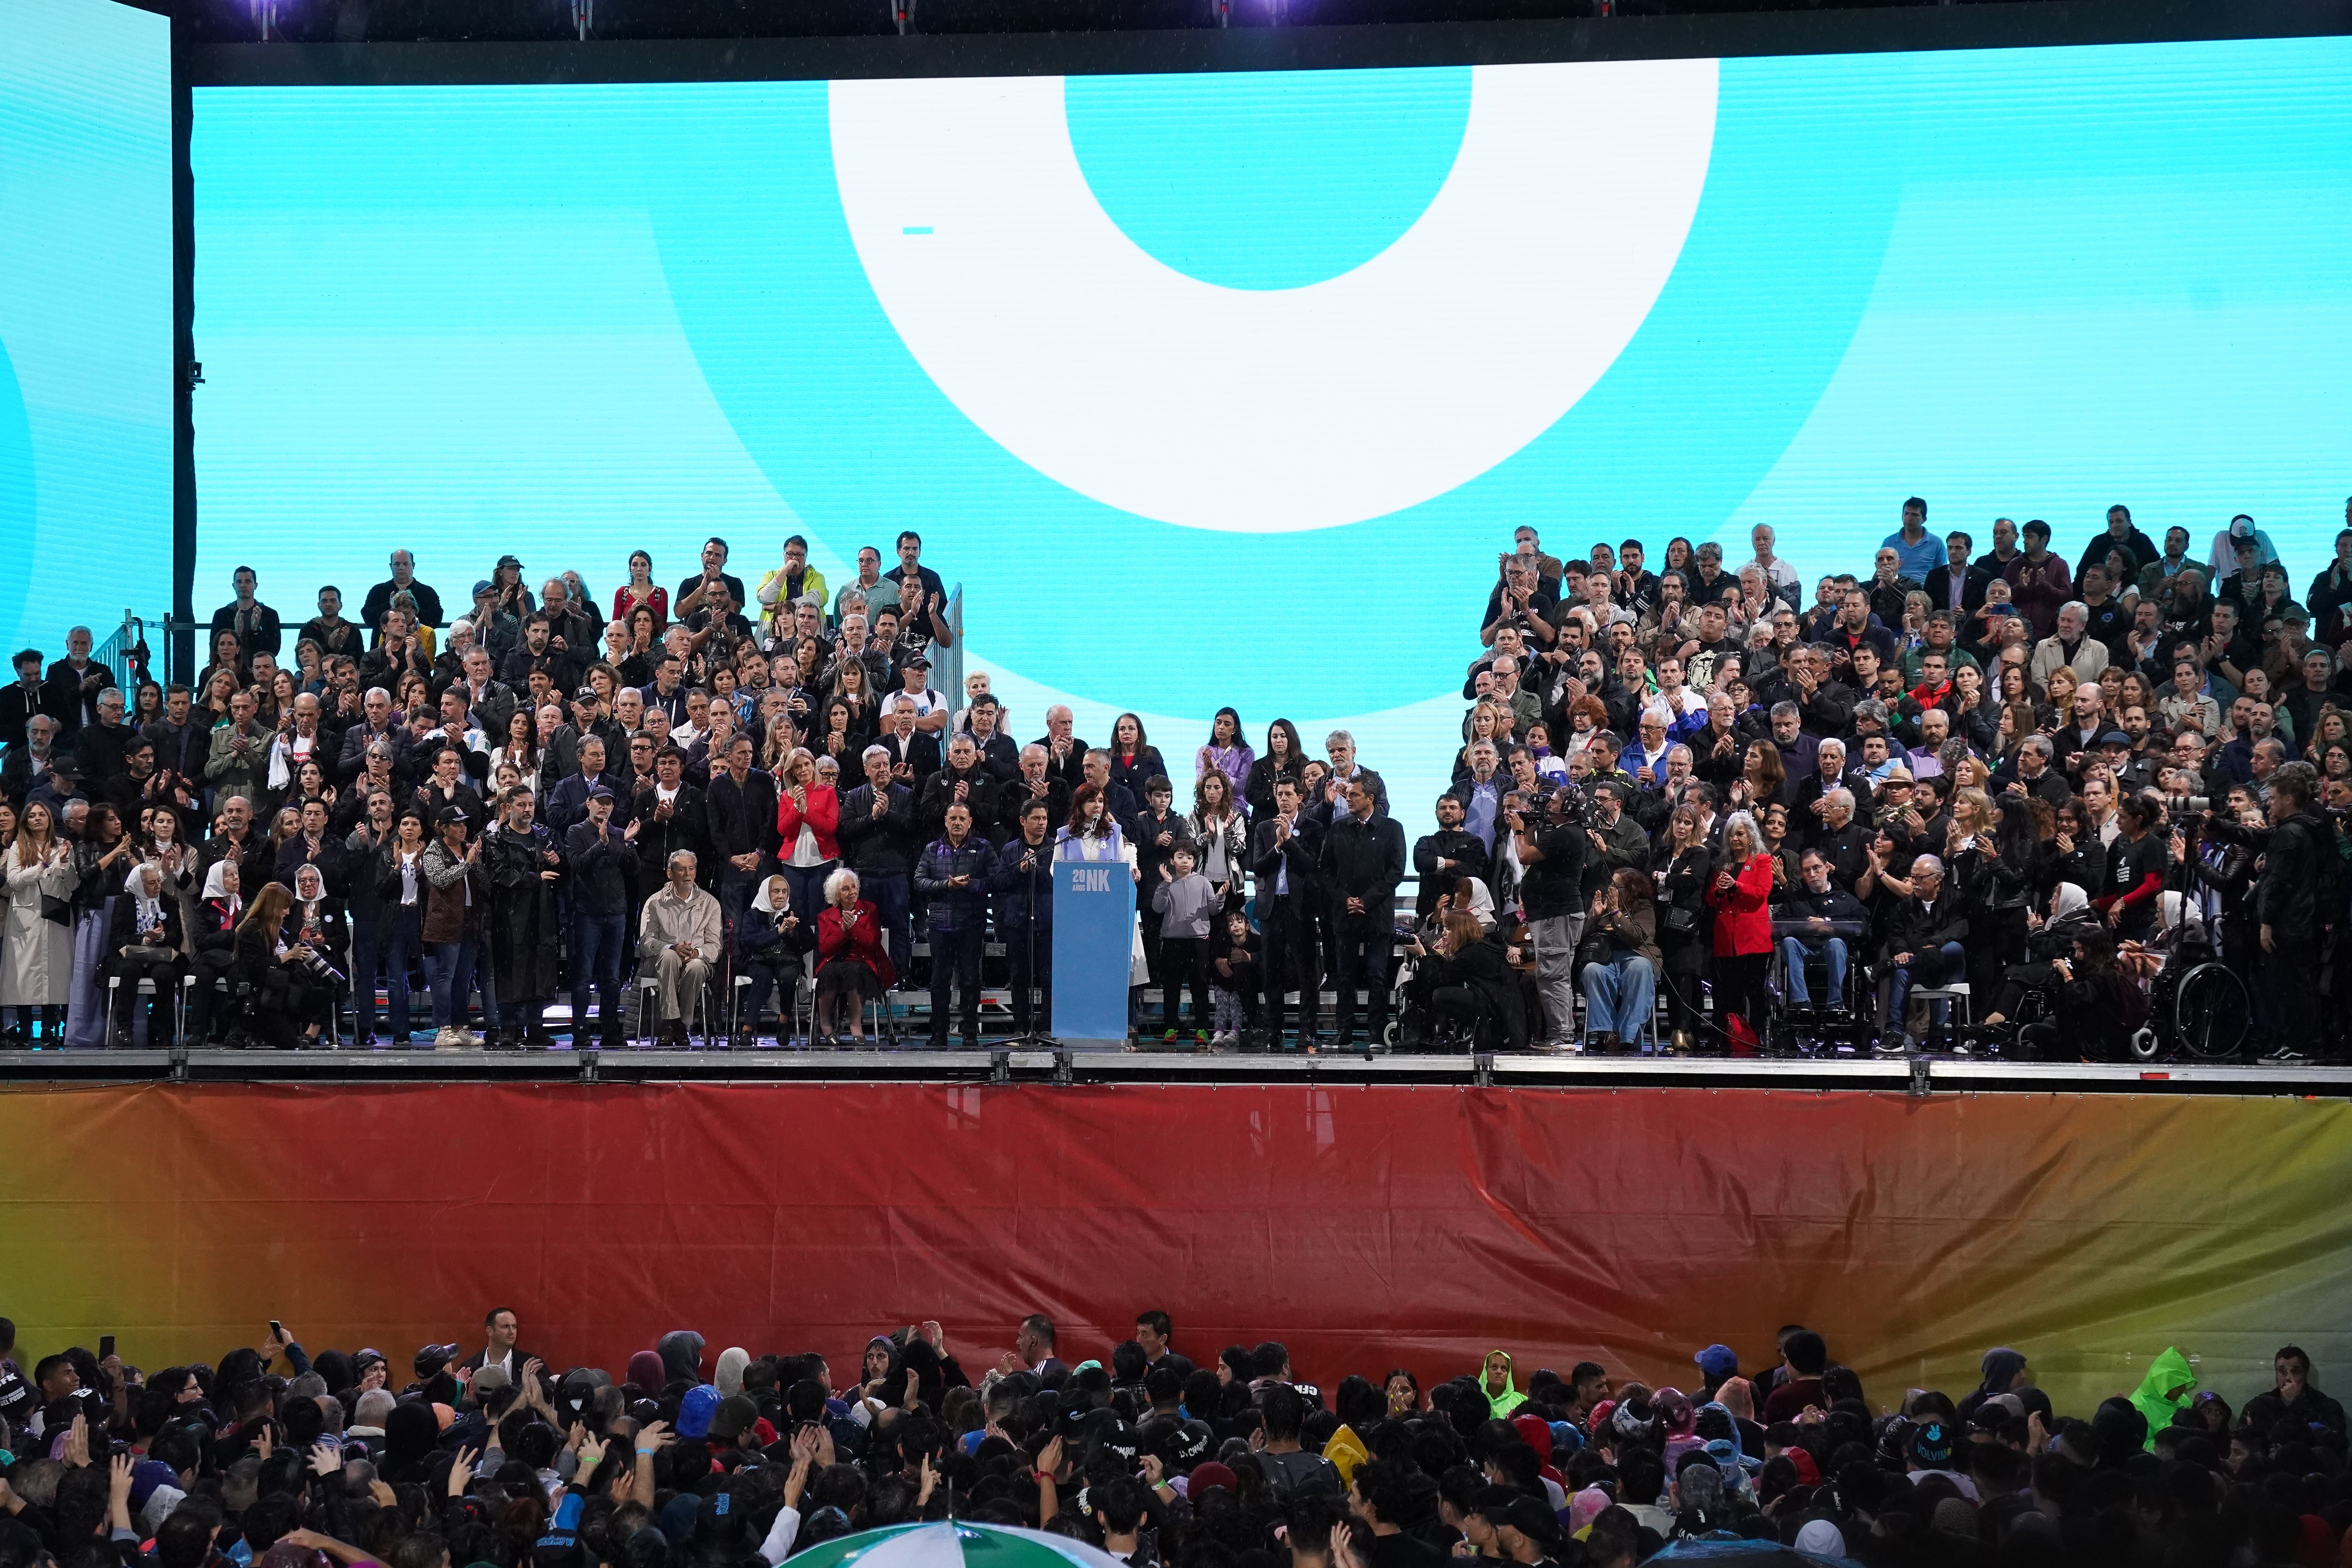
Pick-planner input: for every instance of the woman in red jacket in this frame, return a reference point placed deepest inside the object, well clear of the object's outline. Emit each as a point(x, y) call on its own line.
point(852, 960)
point(1740, 895)
point(808, 815)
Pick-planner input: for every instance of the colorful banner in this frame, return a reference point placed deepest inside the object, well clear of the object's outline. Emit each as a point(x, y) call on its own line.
point(1366, 1229)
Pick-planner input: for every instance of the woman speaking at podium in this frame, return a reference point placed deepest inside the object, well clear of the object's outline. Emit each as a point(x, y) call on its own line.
point(1093, 834)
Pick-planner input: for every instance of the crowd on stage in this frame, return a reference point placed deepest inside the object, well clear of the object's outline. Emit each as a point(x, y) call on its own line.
point(482, 1455)
point(1698, 803)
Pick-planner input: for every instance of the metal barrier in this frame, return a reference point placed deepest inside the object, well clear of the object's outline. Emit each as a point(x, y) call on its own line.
point(947, 670)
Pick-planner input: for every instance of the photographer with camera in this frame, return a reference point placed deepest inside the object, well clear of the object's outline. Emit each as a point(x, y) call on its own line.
point(284, 991)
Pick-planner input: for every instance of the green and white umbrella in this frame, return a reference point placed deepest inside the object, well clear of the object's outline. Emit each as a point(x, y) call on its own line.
point(954, 1544)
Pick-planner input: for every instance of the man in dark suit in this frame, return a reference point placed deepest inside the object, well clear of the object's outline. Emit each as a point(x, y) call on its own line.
point(1959, 584)
point(1363, 861)
point(740, 801)
point(500, 1335)
point(1065, 755)
point(255, 623)
point(877, 842)
point(914, 755)
point(1286, 851)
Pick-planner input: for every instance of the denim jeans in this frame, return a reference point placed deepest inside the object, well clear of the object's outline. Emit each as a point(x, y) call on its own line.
point(449, 971)
point(598, 943)
point(1793, 950)
point(1619, 994)
point(388, 943)
point(1925, 969)
point(807, 885)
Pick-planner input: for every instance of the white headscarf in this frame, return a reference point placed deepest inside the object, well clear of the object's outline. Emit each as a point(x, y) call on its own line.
point(764, 901)
point(217, 884)
point(149, 912)
point(1482, 903)
point(306, 870)
point(1820, 1538)
point(2070, 899)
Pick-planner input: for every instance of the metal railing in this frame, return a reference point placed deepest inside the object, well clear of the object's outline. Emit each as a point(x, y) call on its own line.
point(127, 651)
point(947, 669)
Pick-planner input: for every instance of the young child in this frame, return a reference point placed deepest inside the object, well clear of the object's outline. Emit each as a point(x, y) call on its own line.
point(1186, 903)
point(1232, 979)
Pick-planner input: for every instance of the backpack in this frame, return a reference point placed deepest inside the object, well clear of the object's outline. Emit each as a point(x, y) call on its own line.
point(1301, 1474)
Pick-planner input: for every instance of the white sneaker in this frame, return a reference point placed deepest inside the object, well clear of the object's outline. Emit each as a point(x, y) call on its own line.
point(445, 1040)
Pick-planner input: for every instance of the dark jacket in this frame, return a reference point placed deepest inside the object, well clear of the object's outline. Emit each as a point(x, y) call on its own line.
point(598, 864)
point(939, 793)
point(524, 935)
point(1364, 860)
point(262, 636)
point(123, 930)
point(741, 819)
point(565, 806)
point(954, 909)
point(1480, 968)
point(1848, 918)
point(659, 840)
point(1912, 927)
point(883, 845)
point(1469, 857)
point(1015, 888)
point(1300, 855)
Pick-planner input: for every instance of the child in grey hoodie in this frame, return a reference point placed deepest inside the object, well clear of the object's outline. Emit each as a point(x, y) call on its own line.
point(1187, 903)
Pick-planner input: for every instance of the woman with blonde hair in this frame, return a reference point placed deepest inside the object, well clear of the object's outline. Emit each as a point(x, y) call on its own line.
point(36, 967)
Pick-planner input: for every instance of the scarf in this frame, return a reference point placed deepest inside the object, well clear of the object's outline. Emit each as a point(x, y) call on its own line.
point(1482, 901)
point(148, 912)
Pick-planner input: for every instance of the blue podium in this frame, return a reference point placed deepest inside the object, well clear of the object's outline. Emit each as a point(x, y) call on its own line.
point(1094, 935)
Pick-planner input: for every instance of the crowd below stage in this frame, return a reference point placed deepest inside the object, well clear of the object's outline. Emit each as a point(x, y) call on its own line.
point(1698, 805)
point(486, 1455)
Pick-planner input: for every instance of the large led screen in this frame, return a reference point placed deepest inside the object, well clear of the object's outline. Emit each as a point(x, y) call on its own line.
point(1227, 388)
point(85, 318)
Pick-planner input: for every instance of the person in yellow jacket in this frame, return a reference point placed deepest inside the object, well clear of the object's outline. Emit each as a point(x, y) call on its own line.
point(1501, 1397)
point(787, 584)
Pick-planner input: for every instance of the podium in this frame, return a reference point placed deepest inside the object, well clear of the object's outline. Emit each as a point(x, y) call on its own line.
point(1093, 937)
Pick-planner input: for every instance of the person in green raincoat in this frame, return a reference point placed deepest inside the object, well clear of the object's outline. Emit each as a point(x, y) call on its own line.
point(2165, 1389)
point(1501, 1397)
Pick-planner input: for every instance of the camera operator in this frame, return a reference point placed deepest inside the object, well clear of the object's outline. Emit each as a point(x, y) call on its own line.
point(1552, 851)
point(2222, 881)
point(2294, 902)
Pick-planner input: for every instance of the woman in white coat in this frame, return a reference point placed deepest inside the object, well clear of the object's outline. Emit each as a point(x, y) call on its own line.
point(37, 963)
point(1093, 834)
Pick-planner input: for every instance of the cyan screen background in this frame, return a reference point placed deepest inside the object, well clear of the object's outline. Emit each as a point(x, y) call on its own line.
point(572, 320)
point(85, 318)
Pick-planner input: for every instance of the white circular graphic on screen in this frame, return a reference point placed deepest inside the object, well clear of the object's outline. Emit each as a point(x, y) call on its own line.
point(1266, 411)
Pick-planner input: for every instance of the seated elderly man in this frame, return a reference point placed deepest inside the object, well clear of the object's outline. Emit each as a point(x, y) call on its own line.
point(1923, 932)
point(679, 936)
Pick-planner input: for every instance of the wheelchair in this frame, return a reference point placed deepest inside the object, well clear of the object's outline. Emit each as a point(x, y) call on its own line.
point(2198, 1011)
point(1816, 1028)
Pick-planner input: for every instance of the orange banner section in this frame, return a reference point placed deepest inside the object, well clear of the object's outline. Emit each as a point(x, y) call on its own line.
point(1366, 1229)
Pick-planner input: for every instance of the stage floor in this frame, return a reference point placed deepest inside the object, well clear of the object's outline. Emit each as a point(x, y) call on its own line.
point(1921, 1074)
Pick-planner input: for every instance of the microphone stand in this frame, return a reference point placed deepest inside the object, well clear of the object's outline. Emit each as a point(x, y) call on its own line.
point(1035, 1036)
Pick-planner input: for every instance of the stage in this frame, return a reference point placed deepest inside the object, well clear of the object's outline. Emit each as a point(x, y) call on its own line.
point(1012, 1064)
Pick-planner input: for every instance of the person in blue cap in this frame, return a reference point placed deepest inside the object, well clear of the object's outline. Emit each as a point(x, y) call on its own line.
point(1719, 1364)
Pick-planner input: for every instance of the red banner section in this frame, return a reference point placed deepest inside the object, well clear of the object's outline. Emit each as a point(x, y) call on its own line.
point(1364, 1227)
